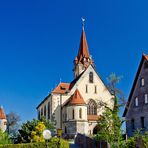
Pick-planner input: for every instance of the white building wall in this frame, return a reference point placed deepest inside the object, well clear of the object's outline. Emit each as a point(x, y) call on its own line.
point(3, 125)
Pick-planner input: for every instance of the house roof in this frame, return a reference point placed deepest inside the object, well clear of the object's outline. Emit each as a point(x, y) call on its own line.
point(66, 87)
point(144, 57)
point(62, 88)
point(93, 117)
point(76, 99)
point(2, 114)
point(83, 48)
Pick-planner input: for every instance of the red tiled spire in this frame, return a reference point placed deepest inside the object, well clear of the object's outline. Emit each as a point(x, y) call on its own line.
point(76, 99)
point(2, 114)
point(83, 48)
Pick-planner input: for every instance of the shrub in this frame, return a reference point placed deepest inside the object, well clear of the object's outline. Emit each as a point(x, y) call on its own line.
point(4, 138)
point(52, 144)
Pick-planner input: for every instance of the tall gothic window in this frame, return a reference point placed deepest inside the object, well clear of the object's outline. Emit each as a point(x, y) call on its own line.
point(80, 113)
point(41, 111)
point(48, 110)
point(45, 111)
point(73, 114)
point(92, 108)
point(39, 114)
point(91, 77)
point(86, 88)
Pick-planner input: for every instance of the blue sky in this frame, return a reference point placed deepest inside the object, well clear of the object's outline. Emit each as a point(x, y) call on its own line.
point(40, 39)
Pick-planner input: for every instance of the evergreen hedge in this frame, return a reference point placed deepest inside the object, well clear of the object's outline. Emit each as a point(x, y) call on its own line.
point(51, 144)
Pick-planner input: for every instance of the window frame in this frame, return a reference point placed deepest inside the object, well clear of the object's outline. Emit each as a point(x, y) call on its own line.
point(91, 77)
point(136, 102)
point(142, 82)
point(145, 98)
point(142, 119)
point(80, 113)
point(92, 108)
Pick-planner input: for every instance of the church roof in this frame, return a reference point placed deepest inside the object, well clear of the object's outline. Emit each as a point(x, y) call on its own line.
point(144, 57)
point(2, 114)
point(62, 88)
point(83, 48)
point(76, 99)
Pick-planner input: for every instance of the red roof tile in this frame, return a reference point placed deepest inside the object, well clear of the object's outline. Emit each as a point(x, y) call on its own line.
point(2, 114)
point(76, 99)
point(62, 88)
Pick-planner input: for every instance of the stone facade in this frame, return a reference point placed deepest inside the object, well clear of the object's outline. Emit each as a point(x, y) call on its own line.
point(136, 112)
point(74, 106)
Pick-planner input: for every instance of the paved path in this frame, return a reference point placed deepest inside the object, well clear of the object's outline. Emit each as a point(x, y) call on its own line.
point(74, 146)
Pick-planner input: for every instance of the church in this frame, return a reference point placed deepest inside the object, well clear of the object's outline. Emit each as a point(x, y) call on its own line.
point(74, 107)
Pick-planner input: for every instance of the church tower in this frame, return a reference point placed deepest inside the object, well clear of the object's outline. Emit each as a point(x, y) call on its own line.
point(3, 120)
point(83, 59)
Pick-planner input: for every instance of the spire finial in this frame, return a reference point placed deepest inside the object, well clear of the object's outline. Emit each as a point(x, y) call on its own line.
point(83, 20)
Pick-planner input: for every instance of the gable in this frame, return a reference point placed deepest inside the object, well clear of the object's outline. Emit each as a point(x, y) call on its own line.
point(100, 94)
point(136, 91)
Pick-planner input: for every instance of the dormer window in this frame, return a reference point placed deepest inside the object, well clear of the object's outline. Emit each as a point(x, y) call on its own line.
point(146, 99)
point(91, 79)
point(142, 81)
point(136, 101)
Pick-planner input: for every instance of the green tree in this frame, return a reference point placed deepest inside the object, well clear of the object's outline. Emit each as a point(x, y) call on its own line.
point(110, 123)
point(31, 131)
point(12, 124)
point(4, 138)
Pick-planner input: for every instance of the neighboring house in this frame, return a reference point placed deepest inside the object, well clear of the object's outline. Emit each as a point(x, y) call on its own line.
point(136, 111)
point(74, 106)
point(3, 120)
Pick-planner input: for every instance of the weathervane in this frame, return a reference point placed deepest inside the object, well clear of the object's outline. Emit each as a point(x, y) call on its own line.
point(83, 20)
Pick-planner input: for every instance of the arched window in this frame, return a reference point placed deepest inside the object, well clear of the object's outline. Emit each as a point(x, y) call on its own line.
point(80, 113)
point(136, 101)
point(142, 81)
point(145, 98)
point(73, 114)
point(92, 108)
point(91, 79)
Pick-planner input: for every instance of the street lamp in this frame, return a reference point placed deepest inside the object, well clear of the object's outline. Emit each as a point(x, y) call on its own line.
point(47, 136)
point(59, 134)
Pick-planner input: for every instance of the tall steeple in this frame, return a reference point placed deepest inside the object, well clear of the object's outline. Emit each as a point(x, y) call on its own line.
point(83, 59)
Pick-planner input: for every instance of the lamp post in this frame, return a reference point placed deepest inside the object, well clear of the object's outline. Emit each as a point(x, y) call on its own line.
point(59, 134)
point(47, 136)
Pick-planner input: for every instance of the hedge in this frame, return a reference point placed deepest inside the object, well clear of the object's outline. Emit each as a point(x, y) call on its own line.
point(51, 144)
